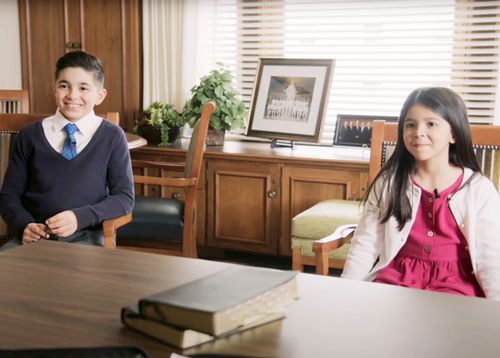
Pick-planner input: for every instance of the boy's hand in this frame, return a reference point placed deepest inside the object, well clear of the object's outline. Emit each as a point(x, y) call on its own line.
point(62, 224)
point(34, 232)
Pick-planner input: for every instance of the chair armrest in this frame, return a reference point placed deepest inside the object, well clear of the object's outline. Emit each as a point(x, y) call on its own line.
point(335, 240)
point(173, 166)
point(176, 182)
point(324, 246)
point(110, 226)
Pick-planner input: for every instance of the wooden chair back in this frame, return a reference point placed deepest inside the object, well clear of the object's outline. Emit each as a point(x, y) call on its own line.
point(189, 182)
point(13, 122)
point(10, 124)
point(14, 101)
point(485, 140)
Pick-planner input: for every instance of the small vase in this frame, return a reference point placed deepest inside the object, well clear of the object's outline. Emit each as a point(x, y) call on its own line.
point(215, 137)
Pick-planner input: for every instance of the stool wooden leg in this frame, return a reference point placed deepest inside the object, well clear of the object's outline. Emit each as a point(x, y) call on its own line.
point(297, 259)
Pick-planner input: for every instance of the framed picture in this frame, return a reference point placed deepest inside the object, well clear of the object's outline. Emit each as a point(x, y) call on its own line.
point(356, 130)
point(290, 98)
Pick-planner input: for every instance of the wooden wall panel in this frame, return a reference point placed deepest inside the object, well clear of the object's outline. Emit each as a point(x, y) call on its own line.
point(109, 29)
point(42, 46)
point(102, 22)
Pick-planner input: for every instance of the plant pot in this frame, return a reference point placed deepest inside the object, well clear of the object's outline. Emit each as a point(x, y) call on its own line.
point(150, 133)
point(215, 137)
point(173, 134)
point(153, 134)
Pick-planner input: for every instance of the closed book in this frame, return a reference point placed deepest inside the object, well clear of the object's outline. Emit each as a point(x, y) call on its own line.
point(175, 336)
point(181, 337)
point(224, 301)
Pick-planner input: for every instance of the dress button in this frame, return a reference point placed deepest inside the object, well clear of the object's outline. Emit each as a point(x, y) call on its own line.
point(427, 249)
point(429, 215)
point(430, 199)
point(430, 233)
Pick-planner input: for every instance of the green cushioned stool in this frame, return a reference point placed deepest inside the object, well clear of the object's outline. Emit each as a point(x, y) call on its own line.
point(318, 222)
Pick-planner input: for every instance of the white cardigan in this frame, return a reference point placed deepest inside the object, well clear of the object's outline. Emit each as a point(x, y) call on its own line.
point(476, 208)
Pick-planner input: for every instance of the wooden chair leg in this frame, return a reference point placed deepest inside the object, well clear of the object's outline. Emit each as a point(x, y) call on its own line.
point(322, 264)
point(110, 226)
point(189, 248)
point(297, 259)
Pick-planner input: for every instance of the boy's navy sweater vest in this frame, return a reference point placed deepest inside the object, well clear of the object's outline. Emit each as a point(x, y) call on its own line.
point(97, 184)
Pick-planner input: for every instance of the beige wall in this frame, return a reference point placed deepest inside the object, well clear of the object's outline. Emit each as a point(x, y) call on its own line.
point(10, 51)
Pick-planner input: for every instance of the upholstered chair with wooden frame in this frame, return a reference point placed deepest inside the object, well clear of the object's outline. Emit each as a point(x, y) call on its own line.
point(325, 217)
point(486, 142)
point(168, 225)
point(14, 101)
point(10, 124)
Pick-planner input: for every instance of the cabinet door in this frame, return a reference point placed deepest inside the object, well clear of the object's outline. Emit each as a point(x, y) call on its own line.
point(108, 29)
point(243, 205)
point(304, 186)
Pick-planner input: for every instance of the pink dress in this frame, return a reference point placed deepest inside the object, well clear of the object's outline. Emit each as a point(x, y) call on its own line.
point(435, 256)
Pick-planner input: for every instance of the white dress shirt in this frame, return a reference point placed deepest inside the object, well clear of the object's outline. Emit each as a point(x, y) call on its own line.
point(53, 128)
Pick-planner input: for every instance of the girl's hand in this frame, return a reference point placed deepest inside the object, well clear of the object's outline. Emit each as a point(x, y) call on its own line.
point(34, 232)
point(62, 224)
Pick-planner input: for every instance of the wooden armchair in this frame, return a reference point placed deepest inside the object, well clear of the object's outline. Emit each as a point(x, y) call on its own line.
point(165, 225)
point(14, 101)
point(10, 124)
point(316, 224)
point(486, 142)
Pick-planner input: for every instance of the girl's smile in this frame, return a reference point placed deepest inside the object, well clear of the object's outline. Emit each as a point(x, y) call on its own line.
point(427, 136)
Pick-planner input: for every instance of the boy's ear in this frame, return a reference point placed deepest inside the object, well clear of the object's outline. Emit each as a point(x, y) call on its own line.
point(101, 95)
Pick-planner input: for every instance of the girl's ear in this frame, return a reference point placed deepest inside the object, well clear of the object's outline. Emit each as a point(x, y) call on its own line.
point(452, 139)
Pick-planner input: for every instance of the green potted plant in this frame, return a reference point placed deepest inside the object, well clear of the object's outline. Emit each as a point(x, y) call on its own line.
point(230, 112)
point(160, 124)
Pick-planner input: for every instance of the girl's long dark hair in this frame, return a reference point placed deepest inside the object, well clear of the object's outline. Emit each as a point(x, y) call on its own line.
point(395, 172)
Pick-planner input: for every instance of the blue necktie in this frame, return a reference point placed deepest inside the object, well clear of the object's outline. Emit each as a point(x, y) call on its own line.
point(69, 147)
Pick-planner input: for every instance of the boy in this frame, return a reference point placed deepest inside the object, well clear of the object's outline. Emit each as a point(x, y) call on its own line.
point(56, 188)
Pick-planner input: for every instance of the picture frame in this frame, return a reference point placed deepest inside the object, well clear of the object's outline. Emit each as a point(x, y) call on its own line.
point(356, 130)
point(290, 98)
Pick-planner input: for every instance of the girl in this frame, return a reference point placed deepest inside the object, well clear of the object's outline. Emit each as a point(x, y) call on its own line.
point(431, 219)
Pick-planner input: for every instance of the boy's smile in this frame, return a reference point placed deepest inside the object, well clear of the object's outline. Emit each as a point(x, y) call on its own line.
point(77, 92)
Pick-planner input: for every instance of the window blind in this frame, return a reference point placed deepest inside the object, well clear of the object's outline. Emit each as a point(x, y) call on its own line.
point(383, 49)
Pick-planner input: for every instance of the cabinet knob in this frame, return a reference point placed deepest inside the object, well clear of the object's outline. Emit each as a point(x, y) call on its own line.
point(271, 194)
point(176, 195)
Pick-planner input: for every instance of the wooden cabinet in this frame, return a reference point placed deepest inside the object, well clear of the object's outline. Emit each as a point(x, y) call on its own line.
point(243, 205)
point(109, 29)
point(250, 192)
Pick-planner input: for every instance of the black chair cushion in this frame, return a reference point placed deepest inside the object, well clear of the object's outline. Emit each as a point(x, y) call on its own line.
point(153, 219)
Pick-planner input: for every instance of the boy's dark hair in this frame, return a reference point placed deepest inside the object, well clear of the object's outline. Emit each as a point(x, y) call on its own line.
point(84, 60)
point(395, 172)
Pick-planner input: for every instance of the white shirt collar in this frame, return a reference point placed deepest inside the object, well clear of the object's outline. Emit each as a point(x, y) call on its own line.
point(85, 124)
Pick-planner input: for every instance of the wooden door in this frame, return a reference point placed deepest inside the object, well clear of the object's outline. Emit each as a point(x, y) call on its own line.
point(243, 205)
point(108, 29)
